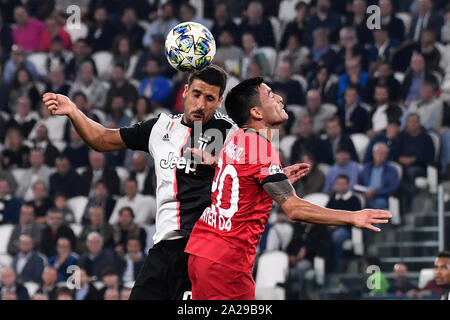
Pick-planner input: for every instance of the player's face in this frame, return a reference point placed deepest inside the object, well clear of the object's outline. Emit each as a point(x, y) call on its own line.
point(201, 100)
point(272, 106)
point(442, 271)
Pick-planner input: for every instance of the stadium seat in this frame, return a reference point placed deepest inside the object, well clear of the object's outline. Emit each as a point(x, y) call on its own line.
point(425, 275)
point(357, 241)
point(39, 60)
point(5, 234)
point(279, 236)
point(399, 76)
point(325, 168)
point(394, 209)
point(286, 144)
point(60, 145)
point(18, 173)
point(318, 198)
point(301, 80)
point(273, 268)
point(397, 167)
point(436, 143)
point(319, 270)
point(123, 174)
point(40, 87)
point(32, 288)
point(360, 141)
point(77, 33)
point(5, 260)
point(276, 26)
point(77, 205)
point(81, 170)
point(287, 12)
point(99, 285)
point(406, 18)
point(103, 61)
point(76, 228)
point(144, 24)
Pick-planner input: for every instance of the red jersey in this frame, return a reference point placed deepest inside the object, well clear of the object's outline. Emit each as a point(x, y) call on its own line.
point(229, 230)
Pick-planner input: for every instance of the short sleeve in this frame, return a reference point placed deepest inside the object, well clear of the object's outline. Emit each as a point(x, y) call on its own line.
point(136, 136)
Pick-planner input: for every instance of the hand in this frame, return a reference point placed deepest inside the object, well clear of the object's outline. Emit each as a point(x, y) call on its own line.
point(367, 217)
point(58, 104)
point(296, 171)
point(207, 158)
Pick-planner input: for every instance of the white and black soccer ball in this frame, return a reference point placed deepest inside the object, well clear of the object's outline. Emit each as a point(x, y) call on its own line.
point(190, 46)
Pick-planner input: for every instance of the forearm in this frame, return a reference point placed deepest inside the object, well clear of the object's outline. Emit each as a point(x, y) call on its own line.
point(299, 209)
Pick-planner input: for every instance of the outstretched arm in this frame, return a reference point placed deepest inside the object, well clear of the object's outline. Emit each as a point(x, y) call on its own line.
point(299, 209)
point(93, 134)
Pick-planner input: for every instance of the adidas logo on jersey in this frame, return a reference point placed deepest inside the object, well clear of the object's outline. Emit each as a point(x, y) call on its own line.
point(166, 137)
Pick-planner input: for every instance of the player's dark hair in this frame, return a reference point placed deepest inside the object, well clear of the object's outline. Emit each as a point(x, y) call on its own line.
point(212, 75)
point(242, 98)
point(444, 254)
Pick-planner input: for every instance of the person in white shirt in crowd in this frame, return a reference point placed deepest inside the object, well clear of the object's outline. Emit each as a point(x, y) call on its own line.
point(188, 13)
point(133, 260)
point(38, 172)
point(144, 207)
point(56, 126)
point(162, 24)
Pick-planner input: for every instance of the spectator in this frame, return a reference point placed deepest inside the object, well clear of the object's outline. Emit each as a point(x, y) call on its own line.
point(333, 140)
point(15, 62)
point(65, 179)
point(383, 76)
point(249, 46)
point(54, 30)
point(325, 83)
point(228, 52)
point(162, 24)
point(96, 224)
point(81, 53)
point(28, 31)
point(297, 26)
point(96, 171)
point(111, 279)
point(285, 83)
point(22, 85)
point(401, 283)
point(53, 230)
point(157, 51)
point(428, 107)
point(377, 277)
point(323, 18)
point(57, 56)
point(118, 116)
point(101, 33)
point(354, 118)
point(9, 286)
point(133, 261)
point(259, 25)
point(125, 293)
point(24, 119)
point(155, 87)
point(389, 21)
point(120, 86)
point(320, 113)
point(343, 166)
point(126, 228)
point(101, 198)
point(37, 172)
point(144, 175)
point(383, 112)
point(111, 294)
point(94, 89)
point(416, 152)
point(81, 100)
point(223, 21)
point(130, 27)
point(48, 287)
point(64, 293)
point(315, 179)
point(124, 53)
point(382, 47)
point(295, 53)
point(445, 31)
point(425, 18)
point(415, 78)
point(6, 40)
point(144, 110)
point(187, 12)
point(7, 175)
point(97, 258)
point(390, 137)
point(321, 52)
point(352, 76)
point(42, 142)
point(87, 290)
point(350, 48)
point(60, 202)
point(27, 264)
point(63, 259)
point(15, 153)
point(76, 151)
point(358, 20)
point(27, 226)
point(306, 141)
point(342, 199)
point(9, 205)
point(144, 207)
point(41, 202)
point(380, 178)
point(56, 82)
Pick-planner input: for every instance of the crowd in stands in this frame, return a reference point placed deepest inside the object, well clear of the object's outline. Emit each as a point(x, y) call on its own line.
point(369, 109)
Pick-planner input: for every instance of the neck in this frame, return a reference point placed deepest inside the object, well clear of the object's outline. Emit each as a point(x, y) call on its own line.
point(265, 130)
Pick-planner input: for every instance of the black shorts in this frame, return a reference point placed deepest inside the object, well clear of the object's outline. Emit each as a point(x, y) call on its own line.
point(164, 275)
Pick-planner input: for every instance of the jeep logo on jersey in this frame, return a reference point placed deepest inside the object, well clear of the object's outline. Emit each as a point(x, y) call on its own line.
point(181, 163)
point(274, 169)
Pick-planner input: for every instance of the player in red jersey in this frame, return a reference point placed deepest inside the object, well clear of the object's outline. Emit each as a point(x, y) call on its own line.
point(248, 178)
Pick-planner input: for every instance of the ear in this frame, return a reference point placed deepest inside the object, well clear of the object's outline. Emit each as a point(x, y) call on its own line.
point(186, 88)
point(255, 113)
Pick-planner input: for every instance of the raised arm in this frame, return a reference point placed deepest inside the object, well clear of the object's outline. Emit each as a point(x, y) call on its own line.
point(299, 209)
point(93, 134)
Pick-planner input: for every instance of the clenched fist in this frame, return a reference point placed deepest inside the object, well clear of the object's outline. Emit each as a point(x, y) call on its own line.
point(58, 104)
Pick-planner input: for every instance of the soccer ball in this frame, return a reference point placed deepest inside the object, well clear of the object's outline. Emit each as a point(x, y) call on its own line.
point(190, 46)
